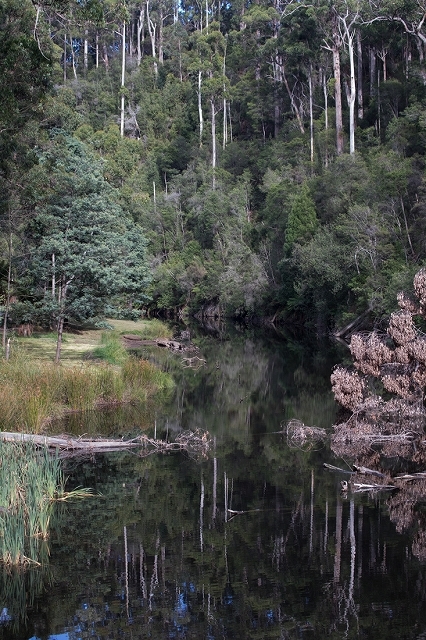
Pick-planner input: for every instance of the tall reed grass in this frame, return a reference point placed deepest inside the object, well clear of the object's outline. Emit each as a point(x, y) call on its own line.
point(142, 379)
point(33, 392)
point(30, 480)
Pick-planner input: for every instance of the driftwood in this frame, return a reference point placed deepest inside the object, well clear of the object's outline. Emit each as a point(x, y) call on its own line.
point(333, 468)
point(370, 472)
point(341, 333)
point(359, 487)
point(420, 475)
point(398, 481)
point(194, 363)
point(193, 442)
point(300, 435)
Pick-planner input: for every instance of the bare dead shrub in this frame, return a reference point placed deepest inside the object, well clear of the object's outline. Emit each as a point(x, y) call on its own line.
point(348, 387)
point(401, 327)
point(420, 287)
point(398, 363)
point(370, 353)
point(407, 303)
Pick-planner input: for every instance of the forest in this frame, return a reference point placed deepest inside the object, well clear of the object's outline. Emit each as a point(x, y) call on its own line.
point(249, 159)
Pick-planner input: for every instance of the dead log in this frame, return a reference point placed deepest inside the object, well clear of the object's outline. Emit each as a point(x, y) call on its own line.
point(196, 442)
point(66, 443)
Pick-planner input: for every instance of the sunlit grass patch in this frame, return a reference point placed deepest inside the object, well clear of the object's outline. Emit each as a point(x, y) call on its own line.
point(34, 392)
point(146, 329)
point(111, 348)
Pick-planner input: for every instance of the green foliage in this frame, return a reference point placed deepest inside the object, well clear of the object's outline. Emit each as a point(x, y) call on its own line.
point(302, 219)
point(261, 70)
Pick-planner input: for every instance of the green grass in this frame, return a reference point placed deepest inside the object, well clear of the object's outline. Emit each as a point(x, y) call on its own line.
point(111, 348)
point(78, 346)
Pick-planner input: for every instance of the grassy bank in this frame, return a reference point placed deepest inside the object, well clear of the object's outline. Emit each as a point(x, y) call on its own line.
point(96, 371)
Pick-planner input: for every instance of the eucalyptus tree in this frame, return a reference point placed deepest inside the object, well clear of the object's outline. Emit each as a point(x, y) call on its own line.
point(85, 255)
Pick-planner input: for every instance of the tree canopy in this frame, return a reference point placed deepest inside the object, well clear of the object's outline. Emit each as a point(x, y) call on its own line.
point(271, 153)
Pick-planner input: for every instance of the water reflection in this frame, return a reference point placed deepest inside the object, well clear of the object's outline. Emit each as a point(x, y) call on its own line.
point(254, 541)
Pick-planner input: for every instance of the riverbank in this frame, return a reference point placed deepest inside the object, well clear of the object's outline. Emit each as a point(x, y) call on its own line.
point(95, 371)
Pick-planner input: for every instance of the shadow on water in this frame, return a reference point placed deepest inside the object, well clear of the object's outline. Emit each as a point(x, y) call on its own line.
point(252, 540)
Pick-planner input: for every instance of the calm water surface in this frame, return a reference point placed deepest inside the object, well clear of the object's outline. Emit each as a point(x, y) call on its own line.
point(254, 540)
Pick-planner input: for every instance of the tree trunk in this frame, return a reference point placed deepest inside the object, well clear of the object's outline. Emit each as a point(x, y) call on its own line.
point(311, 115)
point(325, 91)
point(213, 115)
point(123, 74)
point(139, 33)
point(106, 59)
point(65, 59)
point(373, 74)
point(8, 294)
point(59, 338)
point(359, 70)
point(351, 94)
point(86, 51)
point(161, 38)
point(338, 99)
point(152, 28)
point(200, 108)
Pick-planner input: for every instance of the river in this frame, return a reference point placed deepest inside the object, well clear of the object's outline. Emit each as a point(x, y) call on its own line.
point(253, 539)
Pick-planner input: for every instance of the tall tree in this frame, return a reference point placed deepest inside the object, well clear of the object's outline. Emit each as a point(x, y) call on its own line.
point(86, 255)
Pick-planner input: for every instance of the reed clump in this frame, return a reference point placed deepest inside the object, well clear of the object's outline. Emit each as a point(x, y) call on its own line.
point(142, 379)
point(30, 480)
point(34, 392)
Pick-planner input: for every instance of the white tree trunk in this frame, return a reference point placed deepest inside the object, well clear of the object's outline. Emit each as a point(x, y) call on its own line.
point(351, 94)
point(338, 100)
point(359, 69)
point(213, 114)
point(200, 108)
point(139, 33)
point(123, 72)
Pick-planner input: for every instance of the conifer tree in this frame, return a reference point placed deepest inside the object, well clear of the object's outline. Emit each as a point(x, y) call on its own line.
point(85, 252)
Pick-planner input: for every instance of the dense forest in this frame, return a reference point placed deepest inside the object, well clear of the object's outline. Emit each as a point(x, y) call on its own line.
point(251, 159)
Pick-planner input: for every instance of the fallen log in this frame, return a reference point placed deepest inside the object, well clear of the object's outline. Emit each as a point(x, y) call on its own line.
point(92, 445)
point(190, 441)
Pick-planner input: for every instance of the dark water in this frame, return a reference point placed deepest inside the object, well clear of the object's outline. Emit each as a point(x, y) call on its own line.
point(253, 540)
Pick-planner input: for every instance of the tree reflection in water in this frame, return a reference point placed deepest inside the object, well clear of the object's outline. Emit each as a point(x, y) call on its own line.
point(255, 541)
